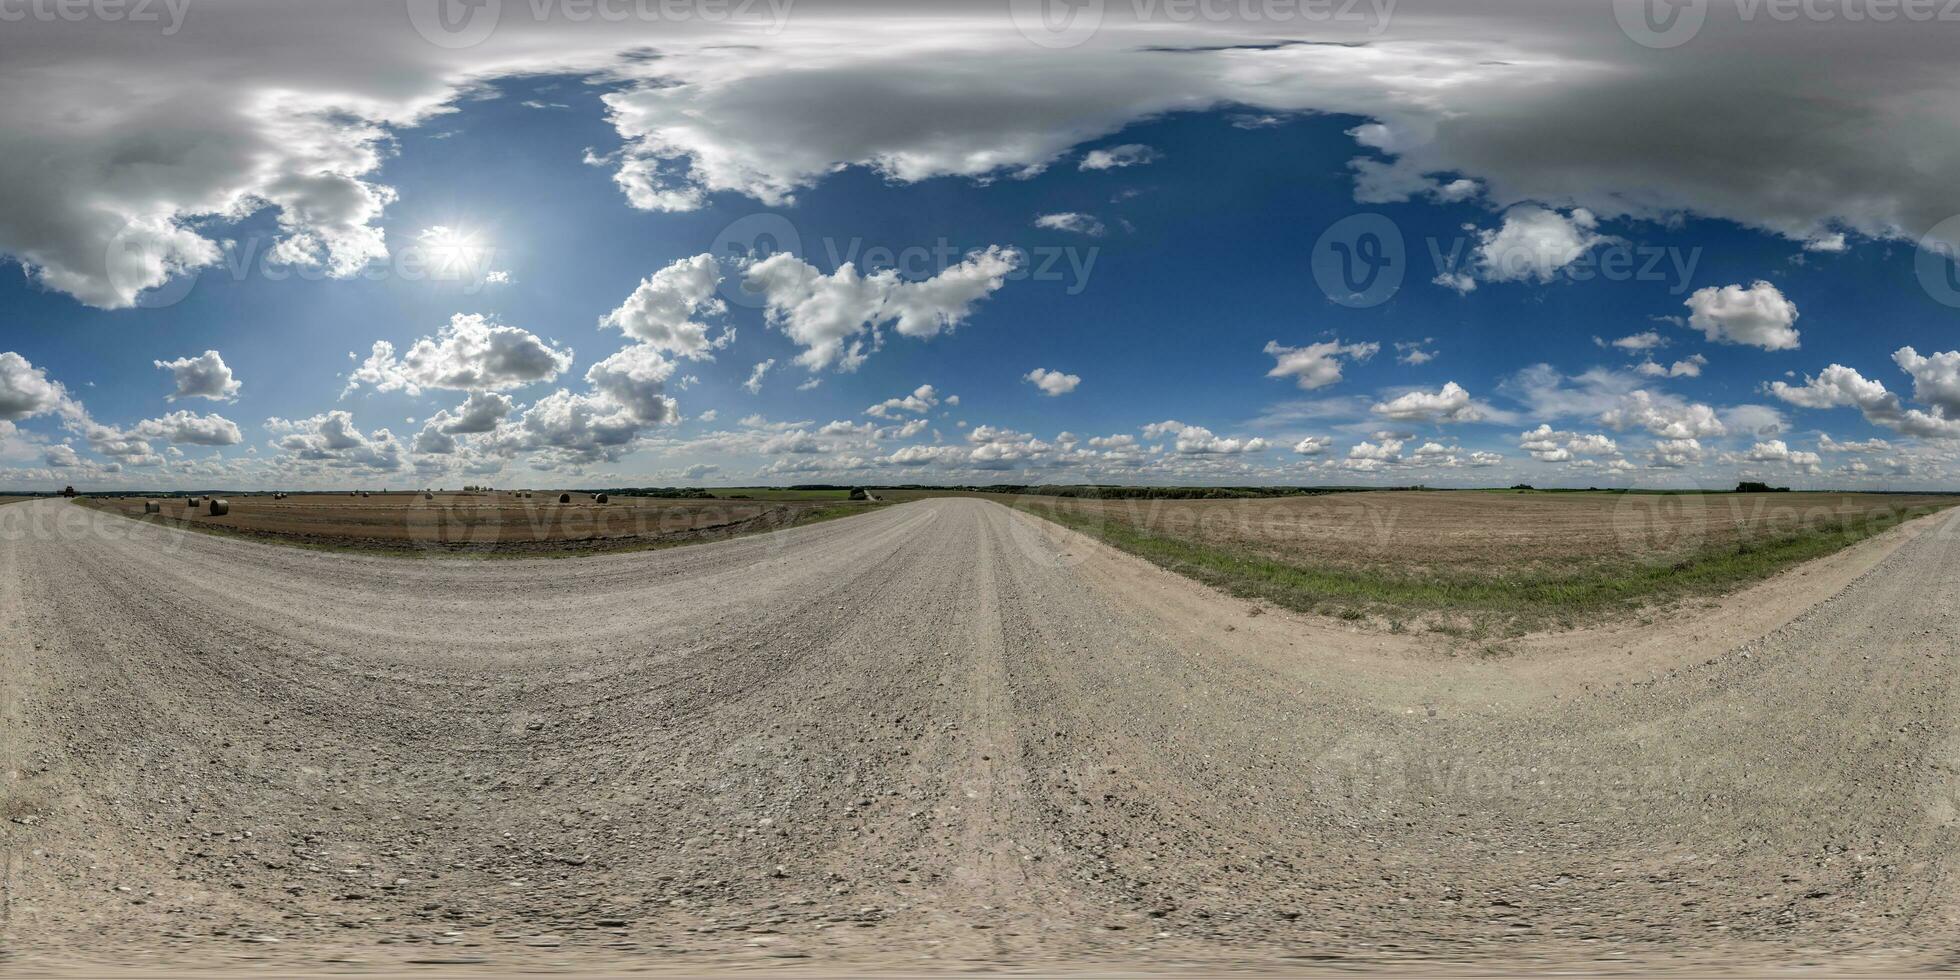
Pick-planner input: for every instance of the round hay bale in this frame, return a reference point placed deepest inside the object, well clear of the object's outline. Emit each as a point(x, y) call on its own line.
point(220, 507)
point(426, 495)
point(600, 499)
point(564, 498)
point(152, 507)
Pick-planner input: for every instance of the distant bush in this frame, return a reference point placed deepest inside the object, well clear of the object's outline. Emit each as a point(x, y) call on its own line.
point(1751, 486)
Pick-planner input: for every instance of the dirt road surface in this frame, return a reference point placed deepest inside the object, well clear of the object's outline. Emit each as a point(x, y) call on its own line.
point(943, 736)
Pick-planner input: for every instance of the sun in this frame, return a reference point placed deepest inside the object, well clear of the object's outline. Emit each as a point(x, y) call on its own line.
point(452, 253)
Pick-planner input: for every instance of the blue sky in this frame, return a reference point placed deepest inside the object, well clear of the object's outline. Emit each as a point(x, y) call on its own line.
point(1608, 315)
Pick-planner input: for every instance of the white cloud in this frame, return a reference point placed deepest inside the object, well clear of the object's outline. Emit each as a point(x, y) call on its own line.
point(480, 413)
point(1071, 221)
point(1647, 340)
point(1838, 386)
point(331, 439)
point(566, 428)
point(1757, 316)
point(1115, 157)
point(1688, 367)
point(1411, 352)
point(836, 318)
point(1935, 379)
point(471, 353)
point(923, 399)
point(1052, 383)
point(25, 390)
point(667, 308)
point(1313, 446)
point(1451, 403)
point(1193, 440)
point(189, 428)
point(1385, 451)
point(1663, 416)
point(1548, 445)
point(1315, 365)
point(1674, 454)
point(756, 374)
point(204, 376)
point(1535, 243)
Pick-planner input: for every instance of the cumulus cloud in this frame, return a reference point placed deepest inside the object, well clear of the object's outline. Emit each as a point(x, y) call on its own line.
point(1313, 446)
point(1935, 379)
point(189, 428)
point(1116, 157)
point(1193, 440)
point(1052, 383)
point(837, 318)
point(1664, 416)
point(1315, 365)
point(25, 390)
point(1838, 386)
point(667, 309)
point(1775, 451)
point(1758, 315)
point(1071, 221)
point(1548, 445)
point(1450, 403)
point(923, 399)
point(1534, 244)
point(331, 439)
point(571, 428)
point(203, 376)
point(1687, 367)
point(471, 353)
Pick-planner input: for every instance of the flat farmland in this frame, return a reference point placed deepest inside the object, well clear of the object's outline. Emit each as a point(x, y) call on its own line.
point(1483, 561)
point(483, 523)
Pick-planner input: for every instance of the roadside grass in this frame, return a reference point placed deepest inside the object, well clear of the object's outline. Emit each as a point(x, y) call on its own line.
point(570, 549)
point(1497, 604)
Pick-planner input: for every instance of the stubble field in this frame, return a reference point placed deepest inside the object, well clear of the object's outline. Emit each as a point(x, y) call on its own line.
point(1484, 562)
point(495, 523)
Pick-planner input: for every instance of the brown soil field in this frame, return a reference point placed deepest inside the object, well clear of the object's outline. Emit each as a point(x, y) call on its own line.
point(1485, 531)
point(482, 523)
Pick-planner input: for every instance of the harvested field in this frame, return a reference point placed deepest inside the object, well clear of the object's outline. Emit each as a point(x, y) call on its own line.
point(483, 523)
point(1482, 560)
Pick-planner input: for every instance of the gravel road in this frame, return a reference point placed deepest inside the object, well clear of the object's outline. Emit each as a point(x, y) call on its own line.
point(940, 736)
